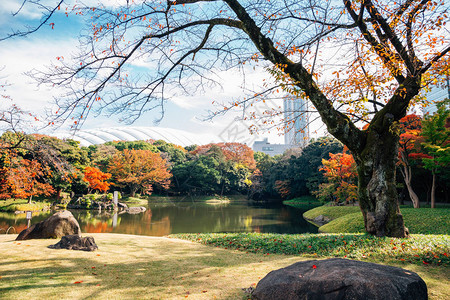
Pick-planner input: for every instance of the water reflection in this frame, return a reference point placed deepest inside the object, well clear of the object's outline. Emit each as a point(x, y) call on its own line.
point(187, 217)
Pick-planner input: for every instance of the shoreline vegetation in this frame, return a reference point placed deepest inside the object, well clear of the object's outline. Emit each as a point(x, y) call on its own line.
point(22, 205)
point(127, 266)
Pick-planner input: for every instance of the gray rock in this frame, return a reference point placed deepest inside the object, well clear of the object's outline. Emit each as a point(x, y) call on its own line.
point(321, 220)
point(136, 210)
point(56, 226)
point(340, 279)
point(75, 242)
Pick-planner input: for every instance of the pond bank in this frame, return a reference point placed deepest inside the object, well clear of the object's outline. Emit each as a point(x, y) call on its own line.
point(348, 219)
point(128, 266)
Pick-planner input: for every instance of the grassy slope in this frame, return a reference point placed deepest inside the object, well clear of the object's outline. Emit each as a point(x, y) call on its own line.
point(421, 221)
point(333, 212)
point(135, 267)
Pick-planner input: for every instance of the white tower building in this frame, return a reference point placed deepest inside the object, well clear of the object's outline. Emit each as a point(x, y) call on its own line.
point(296, 121)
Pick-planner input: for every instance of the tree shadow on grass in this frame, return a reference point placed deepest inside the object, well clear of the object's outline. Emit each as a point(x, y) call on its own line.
point(140, 269)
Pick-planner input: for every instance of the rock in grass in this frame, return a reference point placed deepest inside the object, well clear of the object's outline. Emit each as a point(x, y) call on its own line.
point(321, 220)
point(342, 279)
point(75, 242)
point(58, 225)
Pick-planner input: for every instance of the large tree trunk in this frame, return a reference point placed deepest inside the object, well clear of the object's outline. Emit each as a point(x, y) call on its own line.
point(377, 186)
point(133, 190)
point(407, 175)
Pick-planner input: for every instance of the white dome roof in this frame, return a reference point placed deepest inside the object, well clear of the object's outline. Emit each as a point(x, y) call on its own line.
point(178, 137)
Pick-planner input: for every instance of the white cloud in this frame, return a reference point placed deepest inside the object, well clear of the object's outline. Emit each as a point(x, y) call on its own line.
point(20, 56)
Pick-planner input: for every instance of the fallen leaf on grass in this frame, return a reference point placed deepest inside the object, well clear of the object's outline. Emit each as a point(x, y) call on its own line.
point(204, 291)
point(77, 282)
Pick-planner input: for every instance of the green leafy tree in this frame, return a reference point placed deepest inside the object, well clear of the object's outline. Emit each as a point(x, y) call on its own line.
point(101, 154)
point(211, 173)
point(175, 154)
point(133, 145)
point(65, 158)
point(296, 175)
point(436, 132)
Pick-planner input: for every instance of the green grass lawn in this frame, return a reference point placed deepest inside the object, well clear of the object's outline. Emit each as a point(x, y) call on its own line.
point(12, 205)
point(304, 202)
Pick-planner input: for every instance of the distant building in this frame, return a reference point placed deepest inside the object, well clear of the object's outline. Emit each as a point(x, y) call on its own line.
point(437, 93)
point(296, 124)
point(134, 133)
point(296, 120)
point(268, 148)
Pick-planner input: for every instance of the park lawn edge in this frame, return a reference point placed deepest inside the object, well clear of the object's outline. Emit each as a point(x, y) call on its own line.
point(418, 249)
point(348, 219)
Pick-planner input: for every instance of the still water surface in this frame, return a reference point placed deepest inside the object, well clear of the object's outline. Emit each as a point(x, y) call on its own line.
point(182, 217)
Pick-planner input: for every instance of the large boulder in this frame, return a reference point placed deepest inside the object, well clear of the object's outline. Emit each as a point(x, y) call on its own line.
point(336, 278)
point(75, 242)
point(56, 226)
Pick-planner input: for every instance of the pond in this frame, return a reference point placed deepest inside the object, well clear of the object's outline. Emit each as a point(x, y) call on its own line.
point(181, 217)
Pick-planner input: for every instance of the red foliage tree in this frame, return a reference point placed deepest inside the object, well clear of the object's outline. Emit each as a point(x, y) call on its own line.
point(340, 171)
point(23, 178)
point(139, 169)
point(97, 179)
